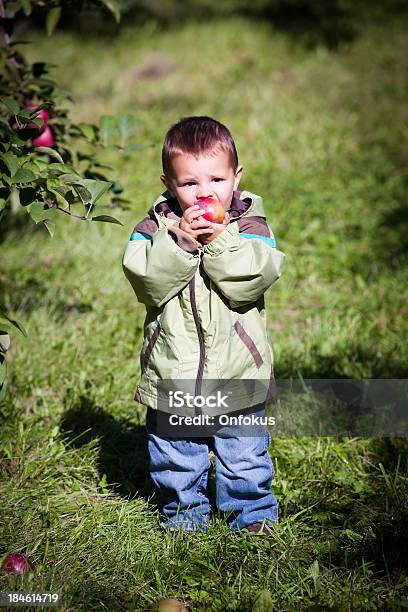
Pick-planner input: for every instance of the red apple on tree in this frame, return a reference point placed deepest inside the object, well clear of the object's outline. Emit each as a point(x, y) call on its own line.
point(213, 210)
point(45, 139)
point(42, 114)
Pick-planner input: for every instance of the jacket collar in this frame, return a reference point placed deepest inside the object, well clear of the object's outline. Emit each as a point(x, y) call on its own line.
point(167, 205)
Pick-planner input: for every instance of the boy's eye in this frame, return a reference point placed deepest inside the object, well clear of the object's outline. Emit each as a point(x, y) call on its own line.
point(190, 183)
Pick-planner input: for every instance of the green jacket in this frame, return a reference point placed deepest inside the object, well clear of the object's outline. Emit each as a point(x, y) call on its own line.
point(205, 310)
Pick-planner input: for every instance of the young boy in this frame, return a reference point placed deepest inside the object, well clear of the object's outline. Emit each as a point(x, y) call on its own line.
point(203, 286)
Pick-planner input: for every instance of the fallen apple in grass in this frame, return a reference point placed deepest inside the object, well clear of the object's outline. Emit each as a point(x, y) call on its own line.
point(213, 210)
point(169, 604)
point(18, 563)
point(45, 139)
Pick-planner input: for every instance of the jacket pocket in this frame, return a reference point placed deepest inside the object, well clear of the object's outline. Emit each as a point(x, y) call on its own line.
point(249, 343)
point(150, 346)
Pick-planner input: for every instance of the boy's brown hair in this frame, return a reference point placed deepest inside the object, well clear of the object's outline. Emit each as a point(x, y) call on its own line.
point(197, 136)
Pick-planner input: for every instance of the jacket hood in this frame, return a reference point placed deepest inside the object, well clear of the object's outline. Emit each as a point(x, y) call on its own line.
point(243, 204)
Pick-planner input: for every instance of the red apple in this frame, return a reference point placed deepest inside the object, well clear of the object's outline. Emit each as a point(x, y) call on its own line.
point(45, 139)
point(18, 564)
point(213, 210)
point(42, 113)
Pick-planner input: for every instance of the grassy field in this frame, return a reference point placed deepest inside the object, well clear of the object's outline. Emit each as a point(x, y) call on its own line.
point(321, 136)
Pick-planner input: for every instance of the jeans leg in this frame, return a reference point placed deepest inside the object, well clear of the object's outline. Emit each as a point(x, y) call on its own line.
point(180, 470)
point(244, 473)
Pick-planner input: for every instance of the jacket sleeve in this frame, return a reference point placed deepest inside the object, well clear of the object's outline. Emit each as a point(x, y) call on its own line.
point(156, 267)
point(243, 265)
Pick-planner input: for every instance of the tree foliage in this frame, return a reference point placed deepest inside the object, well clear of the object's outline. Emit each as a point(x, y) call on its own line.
point(65, 175)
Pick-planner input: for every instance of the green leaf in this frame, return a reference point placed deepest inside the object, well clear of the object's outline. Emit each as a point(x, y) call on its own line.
point(87, 130)
point(3, 391)
point(3, 371)
point(96, 188)
point(52, 19)
point(114, 7)
point(106, 219)
point(126, 127)
point(20, 137)
point(4, 342)
point(52, 182)
point(39, 211)
point(26, 114)
point(23, 176)
point(50, 225)
point(107, 127)
point(83, 193)
point(11, 162)
point(50, 152)
point(63, 190)
point(62, 168)
point(32, 165)
point(69, 179)
point(6, 323)
point(60, 199)
point(11, 104)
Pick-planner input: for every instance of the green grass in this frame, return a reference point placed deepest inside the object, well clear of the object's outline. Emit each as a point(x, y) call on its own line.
point(321, 136)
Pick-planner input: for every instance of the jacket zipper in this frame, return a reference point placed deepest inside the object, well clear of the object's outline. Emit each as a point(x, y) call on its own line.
point(200, 334)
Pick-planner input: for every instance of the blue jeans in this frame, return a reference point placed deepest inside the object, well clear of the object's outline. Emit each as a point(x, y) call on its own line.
point(180, 469)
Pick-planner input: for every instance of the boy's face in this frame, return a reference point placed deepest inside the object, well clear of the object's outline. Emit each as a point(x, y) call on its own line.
point(207, 176)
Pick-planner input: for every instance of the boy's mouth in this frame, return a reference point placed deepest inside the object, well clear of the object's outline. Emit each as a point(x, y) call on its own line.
point(212, 209)
point(203, 200)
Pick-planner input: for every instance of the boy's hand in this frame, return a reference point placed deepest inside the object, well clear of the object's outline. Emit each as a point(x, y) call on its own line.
point(194, 223)
point(217, 229)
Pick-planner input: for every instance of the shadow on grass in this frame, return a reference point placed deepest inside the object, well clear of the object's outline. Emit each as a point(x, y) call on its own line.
point(21, 224)
point(123, 447)
point(365, 360)
point(377, 518)
point(26, 293)
point(392, 232)
point(312, 23)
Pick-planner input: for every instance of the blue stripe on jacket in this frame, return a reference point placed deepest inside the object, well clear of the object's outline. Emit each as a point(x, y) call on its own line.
point(269, 241)
point(140, 236)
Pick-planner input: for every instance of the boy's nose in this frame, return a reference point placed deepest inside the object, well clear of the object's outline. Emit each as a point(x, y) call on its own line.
point(204, 192)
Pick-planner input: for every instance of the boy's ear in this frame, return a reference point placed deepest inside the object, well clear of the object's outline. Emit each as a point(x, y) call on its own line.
point(166, 183)
point(238, 176)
